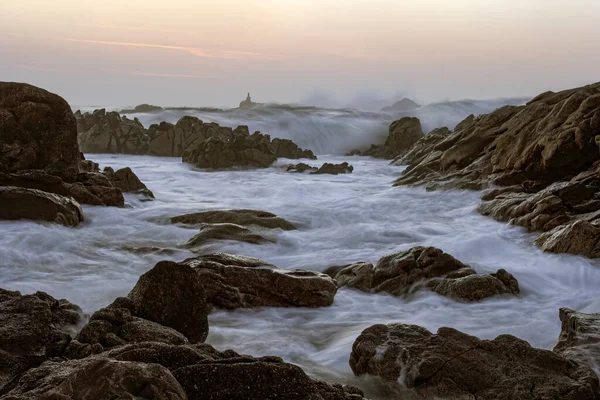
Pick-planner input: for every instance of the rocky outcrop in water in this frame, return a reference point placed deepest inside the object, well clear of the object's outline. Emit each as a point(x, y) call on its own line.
point(239, 217)
point(213, 232)
point(244, 282)
point(22, 203)
point(285, 148)
point(403, 105)
point(300, 168)
point(33, 328)
point(579, 338)
point(403, 134)
point(454, 365)
point(423, 267)
point(334, 169)
point(37, 132)
point(127, 181)
point(102, 132)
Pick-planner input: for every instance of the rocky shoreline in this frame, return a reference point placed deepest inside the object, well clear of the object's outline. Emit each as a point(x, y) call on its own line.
point(541, 162)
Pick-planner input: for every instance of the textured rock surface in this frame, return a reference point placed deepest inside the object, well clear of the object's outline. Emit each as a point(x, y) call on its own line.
point(33, 328)
point(37, 131)
point(580, 237)
point(579, 338)
point(102, 132)
point(474, 287)
point(300, 168)
point(453, 365)
point(214, 232)
point(22, 203)
point(334, 169)
point(243, 282)
point(403, 134)
point(240, 217)
point(285, 148)
point(127, 181)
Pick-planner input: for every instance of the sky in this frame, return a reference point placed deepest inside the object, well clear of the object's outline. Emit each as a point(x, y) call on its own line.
point(211, 53)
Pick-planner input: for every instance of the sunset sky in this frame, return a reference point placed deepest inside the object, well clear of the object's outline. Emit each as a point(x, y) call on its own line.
point(210, 53)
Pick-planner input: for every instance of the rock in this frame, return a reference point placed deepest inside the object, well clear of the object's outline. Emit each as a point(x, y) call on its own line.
point(422, 147)
point(402, 105)
point(403, 134)
point(580, 237)
point(143, 108)
point(285, 148)
point(579, 338)
point(37, 131)
point(334, 169)
point(474, 287)
point(213, 232)
point(239, 217)
point(22, 203)
point(102, 132)
point(300, 168)
point(153, 370)
point(33, 328)
point(127, 181)
point(88, 166)
point(240, 149)
point(453, 365)
point(243, 282)
point(96, 377)
point(168, 305)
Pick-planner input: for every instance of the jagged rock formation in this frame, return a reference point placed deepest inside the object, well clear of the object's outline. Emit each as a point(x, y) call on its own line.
point(423, 267)
point(127, 181)
point(102, 132)
point(37, 131)
point(239, 217)
point(454, 365)
point(579, 338)
point(300, 168)
point(332, 169)
point(285, 148)
point(403, 133)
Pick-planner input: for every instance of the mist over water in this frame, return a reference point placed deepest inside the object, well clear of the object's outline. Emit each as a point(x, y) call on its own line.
point(341, 219)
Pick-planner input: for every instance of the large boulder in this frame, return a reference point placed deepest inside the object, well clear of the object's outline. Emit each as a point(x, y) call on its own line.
point(454, 365)
point(285, 148)
point(244, 282)
point(109, 132)
point(238, 149)
point(127, 181)
point(403, 134)
point(242, 217)
point(37, 131)
point(152, 370)
point(33, 328)
point(474, 287)
point(22, 203)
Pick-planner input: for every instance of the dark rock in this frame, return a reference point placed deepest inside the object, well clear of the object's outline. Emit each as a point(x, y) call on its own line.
point(213, 232)
point(334, 169)
point(239, 217)
point(127, 181)
point(300, 168)
point(402, 105)
point(22, 203)
point(37, 131)
point(243, 282)
point(403, 133)
point(580, 237)
point(285, 148)
point(102, 132)
point(579, 338)
point(33, 328)
point(453, 365)
point(474, 287)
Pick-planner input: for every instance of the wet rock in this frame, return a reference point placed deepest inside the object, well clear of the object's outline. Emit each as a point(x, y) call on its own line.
point(451, 364)
point(239, 217)
point(580, 237)
point(403, 133)
point(88, 166)
point(22, 203)
point(422, 147)
point(33, 328)
point(300, 168)
point(37, 131)
point(334, 169)
point(102, 132)
point(213, 232)
point(475, 287)
point(579, 338)
point(285, 148)
point(127, 181)
point(243, 282)
point(239, 149)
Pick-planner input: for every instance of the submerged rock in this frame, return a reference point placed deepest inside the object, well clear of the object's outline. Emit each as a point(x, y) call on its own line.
point(37, 132)
point(243, 282)
point(475, 287)
point(33, 328)
point(239, 217)
point(212, 232)
point(454, 365)
point(300, 168)
point(334, 169)
point(22, 203)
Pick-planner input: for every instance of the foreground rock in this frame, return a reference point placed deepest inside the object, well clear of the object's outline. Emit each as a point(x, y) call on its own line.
point(453, 365)
point(21, 203)
point(420, 267)
point(127, 181)
point(334, 169)
point(580, 237)
point(285, 148)
point(168, 305)
point(300, 168)
point(33, 328)
point(239, 217)
point(37, 131)
point(214, 232)
point(244, 282)
point(579, 338)
point(403, 133)
point(237, 149)
point(175, 372)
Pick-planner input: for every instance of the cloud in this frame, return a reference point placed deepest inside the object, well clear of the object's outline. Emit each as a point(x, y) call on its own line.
point(226, 54)
point(185, 76)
